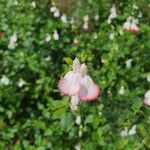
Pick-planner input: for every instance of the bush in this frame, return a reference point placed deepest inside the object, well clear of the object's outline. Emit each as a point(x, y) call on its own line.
point(37, 46)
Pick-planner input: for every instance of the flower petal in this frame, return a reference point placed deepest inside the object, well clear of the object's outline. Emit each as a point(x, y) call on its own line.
point(134, 28)
point(74, 100)
point(88, 90)
point(147, 101)
point(69, 85)
point(126, 25)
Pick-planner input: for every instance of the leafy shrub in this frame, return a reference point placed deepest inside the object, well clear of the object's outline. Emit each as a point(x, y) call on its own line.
point(33, 113)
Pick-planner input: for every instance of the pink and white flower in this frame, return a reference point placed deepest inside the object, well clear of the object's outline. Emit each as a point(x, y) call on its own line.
point(134, 28)
point(147, 98)
point(88, 90)
point(131, 26)
point(78, 85)
point(69, 84)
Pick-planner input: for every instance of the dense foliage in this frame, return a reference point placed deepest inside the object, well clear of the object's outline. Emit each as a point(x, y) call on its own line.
point(37, 46)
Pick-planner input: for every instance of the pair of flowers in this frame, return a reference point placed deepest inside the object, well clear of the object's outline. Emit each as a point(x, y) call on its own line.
point(78, 85)
point(131, 25)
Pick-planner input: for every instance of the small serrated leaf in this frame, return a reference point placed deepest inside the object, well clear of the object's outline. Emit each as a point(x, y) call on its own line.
point(68, 60)
point(67, 121)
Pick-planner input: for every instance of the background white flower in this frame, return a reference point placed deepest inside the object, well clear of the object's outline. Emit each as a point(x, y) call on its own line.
point(95, 36)
point(53, 9)
point(64, 18)
point(113, 14)
point(132, 131)
point(129, 63)
point(56, 35)
point(48, 58)
point(124, 132)
point(86, 18)
point(78, 120)
point(96, 17)
point(56, 13)
point(121, 90)
point(148, 77)
point(33, 4)
point(4, 80)
point(111, 36)
point(127, 132)
point(20, 83)
point(85, 25)
point(12, 42)
point(47, 38)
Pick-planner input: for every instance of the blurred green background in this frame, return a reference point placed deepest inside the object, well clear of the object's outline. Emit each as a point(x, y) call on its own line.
point(38, 41)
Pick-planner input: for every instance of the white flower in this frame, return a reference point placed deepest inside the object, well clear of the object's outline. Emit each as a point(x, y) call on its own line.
point(111, 36)
point(15, 2)
point(109, 21)
point(13, 38)
point(95, 36)
point(135, 21)
point(76, 41)
point(113, 14)
point(127, 25)
point(147, 98)
point(53, 9)
point(135, 7)
point(129, 18)
point(4, 80)
point(99, 113)
point(80, 133)
point(129, 63)
point(56, 35)
point(20, 83)
point(47, 38)
point(77, 147)
point(132, 131)
point(86, 18)
point(120, 32)
point(124, 132)
point(148, 77)
point(78, 120)
point(11, 45)
point(64, 18)
point(33, 4)
point(85, 25)
point(72, 21)
point(121, 90)
point(12, 42)
point(56, 13)
point(48, 58)
point(96, 17)
point(140, 14)
point(127, 132)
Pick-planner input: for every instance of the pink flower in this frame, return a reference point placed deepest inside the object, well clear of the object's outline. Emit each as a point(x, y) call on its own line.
point(88, 90)
point(69, 85)
point(147, 98)
point(126, 26)
point(132, 27)
point(78, 85)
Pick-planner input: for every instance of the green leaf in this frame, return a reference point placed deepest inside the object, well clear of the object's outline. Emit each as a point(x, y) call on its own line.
point(67, 121)
point(89, 119)
point(68, 60)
